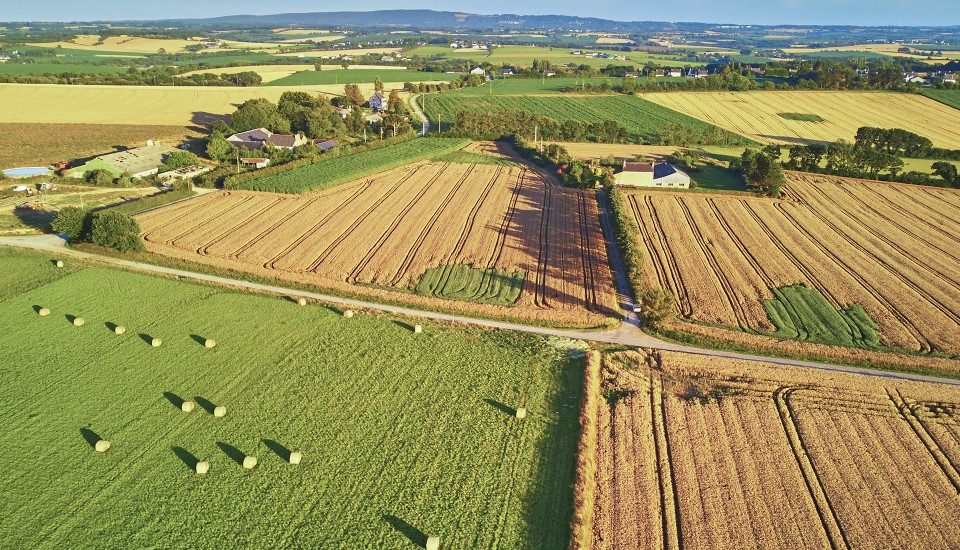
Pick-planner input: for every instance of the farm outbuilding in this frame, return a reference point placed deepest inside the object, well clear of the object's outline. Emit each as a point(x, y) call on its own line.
point(651, 174)
point(139, 162)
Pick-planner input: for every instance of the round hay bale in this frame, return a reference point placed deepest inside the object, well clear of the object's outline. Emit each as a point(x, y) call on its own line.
point(59, 263)
point(43, 312)
point(433, 543)
point(119, 329)
point(249, 462)
point(295, 457)
point(188, 406)
point(208, 343)
point(78, 321)
point(219, 411)
point(417, 329)
point(156, 342)
point(102, 446)
point(302, 301)
point(348, 313)
point(521, 413)
point(202, 467)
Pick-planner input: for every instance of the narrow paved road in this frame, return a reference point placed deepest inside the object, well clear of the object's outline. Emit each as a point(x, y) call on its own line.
point(628, 334)
point(416, 109)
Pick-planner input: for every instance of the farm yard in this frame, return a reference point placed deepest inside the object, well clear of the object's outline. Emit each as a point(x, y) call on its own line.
point(877, 262)
point(757, 114)
point(718, 453)
point(392, 426)
point(45, 143)
point(379, 235)
point(641, 118)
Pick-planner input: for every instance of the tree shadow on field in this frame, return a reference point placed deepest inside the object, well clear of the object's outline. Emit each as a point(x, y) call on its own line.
point(205, 403)
point(202, 120)
point(90, 436)
point(502, 407)
point(234, 453)
point(186, 456)
point(281, 451)
point(415, 535)
point(174, 399)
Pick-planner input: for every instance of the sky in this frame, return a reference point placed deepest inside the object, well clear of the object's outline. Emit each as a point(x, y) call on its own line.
point(852, 12)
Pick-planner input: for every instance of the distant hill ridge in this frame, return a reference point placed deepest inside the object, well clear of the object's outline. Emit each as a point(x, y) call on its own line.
point(431, 19)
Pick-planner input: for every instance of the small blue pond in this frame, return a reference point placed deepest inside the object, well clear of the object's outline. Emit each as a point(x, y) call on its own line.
point(26, 172)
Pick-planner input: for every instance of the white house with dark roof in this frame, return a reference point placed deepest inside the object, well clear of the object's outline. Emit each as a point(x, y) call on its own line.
point(651, 174)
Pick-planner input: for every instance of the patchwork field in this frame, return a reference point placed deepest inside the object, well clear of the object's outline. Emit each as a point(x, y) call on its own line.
point(308, 76)
point(642, 119)
point(271, 73)
point(706, 452)
point(26, 144)
point(525, 55)
point(401, 434)
point(840, 261)
point(122, 43)
point(381, 234)
point(755, 114)
point(947, 97)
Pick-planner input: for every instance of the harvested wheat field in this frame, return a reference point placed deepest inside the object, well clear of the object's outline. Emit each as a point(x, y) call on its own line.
point(486, 235)
point(839, 261)
point(703, 452)
point(755, 114)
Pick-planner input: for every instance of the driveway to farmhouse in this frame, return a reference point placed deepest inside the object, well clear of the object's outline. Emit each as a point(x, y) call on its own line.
point(627, 334)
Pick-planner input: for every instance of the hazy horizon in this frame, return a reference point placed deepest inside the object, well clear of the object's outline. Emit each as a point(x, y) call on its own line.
point(743, 12)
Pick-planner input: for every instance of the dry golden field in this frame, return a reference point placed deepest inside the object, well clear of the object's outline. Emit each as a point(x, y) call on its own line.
point(701, 452)
point(122, 43)
point(139, 105)
point(334, 53)
point(892, 249)
point(754, 114)
point(388, 230)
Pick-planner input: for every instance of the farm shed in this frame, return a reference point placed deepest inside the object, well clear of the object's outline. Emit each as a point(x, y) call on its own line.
point(256, 162)
point(139, 162)
point(650, 174)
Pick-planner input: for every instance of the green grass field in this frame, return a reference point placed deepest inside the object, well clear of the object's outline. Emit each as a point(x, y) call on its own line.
point(462, 282)
point(642, 119)
point(801, 313)
point(337, 170)
point(358, 76)
point(947, 97)
point(714, 178)
point(402, 434)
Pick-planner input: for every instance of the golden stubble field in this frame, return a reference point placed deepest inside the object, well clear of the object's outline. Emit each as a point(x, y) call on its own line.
point(378, 235)
point(698, 452)
point(140, 105)
point(754, 114)
point(893, 249)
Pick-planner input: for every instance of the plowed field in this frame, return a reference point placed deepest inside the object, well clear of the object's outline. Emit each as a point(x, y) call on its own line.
point(892, 250)
point(715, 453)
point(387, 230)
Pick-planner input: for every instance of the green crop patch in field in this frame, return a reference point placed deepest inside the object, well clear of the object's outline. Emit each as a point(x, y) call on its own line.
point(800, 313)
point(402, 434)
point(337, 170)
point(643, 120)
point(358, 76)
point(463, 282)
point(802, 117)
point(470, 157)
point(947, 97)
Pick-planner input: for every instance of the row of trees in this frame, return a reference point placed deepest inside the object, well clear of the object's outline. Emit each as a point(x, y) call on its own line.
point(153, 76)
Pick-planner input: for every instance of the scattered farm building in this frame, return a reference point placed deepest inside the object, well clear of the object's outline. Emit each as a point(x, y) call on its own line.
point(651, 174)
point(261, 137)
point(377, 101)
point(478, 71)
point(139, 162)
point(506, 71)
point(677, 73)
point(186, 172)
point(255, 162)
